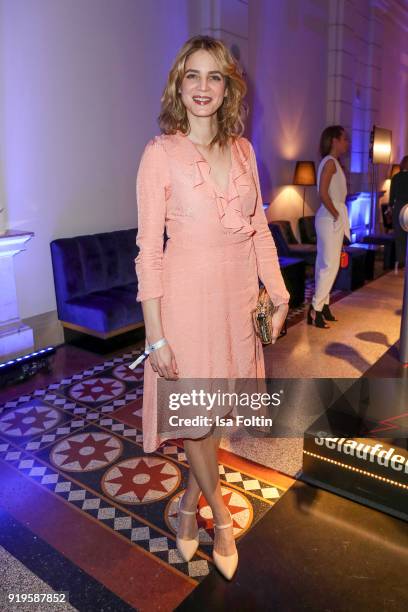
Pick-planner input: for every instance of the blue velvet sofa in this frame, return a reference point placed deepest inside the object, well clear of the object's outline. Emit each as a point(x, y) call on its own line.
point(294, 274)
point(96, 284)
point(288, 246)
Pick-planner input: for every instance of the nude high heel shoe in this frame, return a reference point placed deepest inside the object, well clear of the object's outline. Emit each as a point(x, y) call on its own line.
point(187, 548)
point(226, 564)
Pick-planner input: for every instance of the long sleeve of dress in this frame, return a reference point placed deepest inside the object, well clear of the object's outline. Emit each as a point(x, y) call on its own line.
point(265, 249)
point(151, 183)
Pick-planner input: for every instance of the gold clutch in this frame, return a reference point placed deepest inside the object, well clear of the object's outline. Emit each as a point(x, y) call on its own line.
point(262, 316)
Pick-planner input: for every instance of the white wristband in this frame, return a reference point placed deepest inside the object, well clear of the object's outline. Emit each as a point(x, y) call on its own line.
point(149, 349)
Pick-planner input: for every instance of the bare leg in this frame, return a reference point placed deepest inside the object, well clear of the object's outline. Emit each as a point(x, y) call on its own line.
point(191, 498)
point(186, 525)
point(193, 491)
point(202, 457)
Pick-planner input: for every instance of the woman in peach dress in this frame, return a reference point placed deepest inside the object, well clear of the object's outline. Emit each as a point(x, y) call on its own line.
point(199, 181)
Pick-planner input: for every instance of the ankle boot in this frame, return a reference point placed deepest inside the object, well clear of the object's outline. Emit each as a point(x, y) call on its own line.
point(328, 315)
point(317, 320)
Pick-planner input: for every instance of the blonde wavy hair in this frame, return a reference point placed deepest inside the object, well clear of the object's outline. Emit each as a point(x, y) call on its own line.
point(232, 112)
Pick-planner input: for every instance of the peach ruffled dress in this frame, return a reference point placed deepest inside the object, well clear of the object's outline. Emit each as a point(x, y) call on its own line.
point(207, 276)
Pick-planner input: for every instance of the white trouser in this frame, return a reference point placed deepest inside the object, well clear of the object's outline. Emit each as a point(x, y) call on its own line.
point(330, 234)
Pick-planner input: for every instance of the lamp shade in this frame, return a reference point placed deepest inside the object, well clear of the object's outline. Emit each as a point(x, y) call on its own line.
point(381, 140)
point(395, 168)
point(305, 173)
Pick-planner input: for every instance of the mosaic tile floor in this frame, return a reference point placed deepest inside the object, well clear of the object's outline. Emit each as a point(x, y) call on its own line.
point(73, 451)
point(80, 440)
point(299, 313)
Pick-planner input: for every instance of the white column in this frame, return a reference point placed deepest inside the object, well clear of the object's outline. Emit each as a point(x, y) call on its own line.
point(228, 21)
point(3, 216)
point(15, 336)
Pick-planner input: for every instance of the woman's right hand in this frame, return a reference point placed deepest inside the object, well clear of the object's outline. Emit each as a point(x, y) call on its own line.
point(336, 215)
point(164, 362)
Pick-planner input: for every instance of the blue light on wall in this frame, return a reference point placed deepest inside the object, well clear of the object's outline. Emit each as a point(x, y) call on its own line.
point(359, 135)
point(359, 206)
point(357, 147)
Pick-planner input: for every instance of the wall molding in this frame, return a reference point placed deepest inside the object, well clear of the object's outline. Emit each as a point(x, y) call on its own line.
point(395, 10)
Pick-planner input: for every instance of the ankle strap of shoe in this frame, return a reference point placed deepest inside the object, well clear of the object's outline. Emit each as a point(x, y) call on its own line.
point(187, 511)
point(223, 526)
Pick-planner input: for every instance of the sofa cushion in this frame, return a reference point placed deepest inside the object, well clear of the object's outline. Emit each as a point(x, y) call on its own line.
point(130, 288)
point(104, 311)
point(108, 259)
point(92, 263)
point(307, 252)
point(67, 267)
point(120, 251)
point(307, 229)
point(287, 231)
point(280, 242)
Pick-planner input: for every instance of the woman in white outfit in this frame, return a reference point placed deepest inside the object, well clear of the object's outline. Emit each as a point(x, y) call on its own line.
point(332, 222)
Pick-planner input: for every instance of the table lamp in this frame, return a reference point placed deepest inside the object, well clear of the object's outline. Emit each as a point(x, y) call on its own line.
point(304, 176)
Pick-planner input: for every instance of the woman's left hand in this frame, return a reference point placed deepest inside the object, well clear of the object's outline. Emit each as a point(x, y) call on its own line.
point(278, 319)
